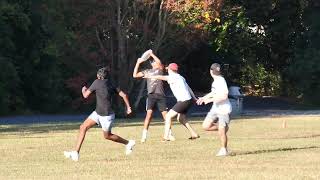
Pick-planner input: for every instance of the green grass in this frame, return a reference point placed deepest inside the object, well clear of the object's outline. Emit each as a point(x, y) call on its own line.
point(261, 149)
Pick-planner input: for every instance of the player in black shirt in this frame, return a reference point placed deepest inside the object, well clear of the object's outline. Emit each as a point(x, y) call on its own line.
point(103, 114)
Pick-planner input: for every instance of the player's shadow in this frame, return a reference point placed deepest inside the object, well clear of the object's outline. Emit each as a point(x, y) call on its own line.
point(272, 150)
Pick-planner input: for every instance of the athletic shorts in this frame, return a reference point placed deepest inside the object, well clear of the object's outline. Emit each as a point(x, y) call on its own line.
point(154, 100)
point(222, 119)
point(182, 107)
point(105, 122)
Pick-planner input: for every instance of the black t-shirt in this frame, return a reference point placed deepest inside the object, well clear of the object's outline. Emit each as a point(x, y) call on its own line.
point(104, 90)
point(154, 86)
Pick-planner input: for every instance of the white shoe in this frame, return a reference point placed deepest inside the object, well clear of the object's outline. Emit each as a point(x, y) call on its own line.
point(143, 140)
point(171, 137)
point(222, 152)
point(74, 155)
point(129, 146)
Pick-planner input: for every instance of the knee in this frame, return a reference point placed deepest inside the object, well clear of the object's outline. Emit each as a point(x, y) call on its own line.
point(168, 117)
point(83, 128)
point(205, 126)
point(107, 135)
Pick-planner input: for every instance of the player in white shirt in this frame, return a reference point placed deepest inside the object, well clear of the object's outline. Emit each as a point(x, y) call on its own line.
point(184, 96)
point(218, 117)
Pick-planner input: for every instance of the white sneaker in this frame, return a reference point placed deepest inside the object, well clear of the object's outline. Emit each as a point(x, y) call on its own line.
point(143, 140)
point(129, 146)
point(222, 152)
point(74, 155)
point(171, 137)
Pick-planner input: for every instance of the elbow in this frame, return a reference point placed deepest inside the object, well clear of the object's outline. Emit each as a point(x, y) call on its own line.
point(123, 95)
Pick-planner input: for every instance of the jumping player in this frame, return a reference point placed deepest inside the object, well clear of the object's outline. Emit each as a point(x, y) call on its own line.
point(103, 114)
point(156, 95)
point(183, 94)
point(218, 116)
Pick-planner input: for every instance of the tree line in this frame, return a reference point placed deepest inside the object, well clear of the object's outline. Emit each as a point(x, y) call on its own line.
point(49, 49)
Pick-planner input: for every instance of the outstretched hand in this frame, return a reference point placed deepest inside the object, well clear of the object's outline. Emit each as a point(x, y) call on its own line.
point(200, 101)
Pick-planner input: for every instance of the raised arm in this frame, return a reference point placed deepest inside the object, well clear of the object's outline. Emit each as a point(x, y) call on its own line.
point(156, 59)
point(137, 74)
point(125, 98)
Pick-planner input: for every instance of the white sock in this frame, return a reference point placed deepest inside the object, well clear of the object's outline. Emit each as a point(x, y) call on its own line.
point(167, 129)
point(170, 132)
point(144, 133)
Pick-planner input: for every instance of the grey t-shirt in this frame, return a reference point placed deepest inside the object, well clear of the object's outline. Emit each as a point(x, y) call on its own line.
point(104, 90)
point(154, 86)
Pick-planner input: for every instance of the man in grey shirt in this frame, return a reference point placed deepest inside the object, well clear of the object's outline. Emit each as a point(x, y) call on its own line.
point(156, 94)
point(103, 114)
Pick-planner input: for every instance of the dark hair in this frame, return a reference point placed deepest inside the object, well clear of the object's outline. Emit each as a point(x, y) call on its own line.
point(102, 73)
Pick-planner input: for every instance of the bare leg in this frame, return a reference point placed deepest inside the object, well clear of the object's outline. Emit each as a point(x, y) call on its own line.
point(209, 125)
point(147, 119)
point(164, 113)
point(182, 119)
point(171, 114)
point(108, 135)
point(223, 136)
point(84, 127)
point(171, 137)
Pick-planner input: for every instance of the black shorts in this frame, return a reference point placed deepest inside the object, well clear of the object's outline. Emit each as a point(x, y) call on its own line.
point(156, 99)
point(182, 107)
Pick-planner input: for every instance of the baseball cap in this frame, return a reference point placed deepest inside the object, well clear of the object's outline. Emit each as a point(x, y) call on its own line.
point(173, 66)
point(216, 68)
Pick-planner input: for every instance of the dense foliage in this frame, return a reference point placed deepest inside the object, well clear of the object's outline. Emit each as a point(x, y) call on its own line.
point(49, 49)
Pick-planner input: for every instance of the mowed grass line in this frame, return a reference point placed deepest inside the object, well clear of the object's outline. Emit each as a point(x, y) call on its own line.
point(261, 149)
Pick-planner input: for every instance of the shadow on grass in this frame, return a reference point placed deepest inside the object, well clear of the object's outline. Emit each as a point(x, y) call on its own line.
point(34, 129)
point(28, 129)
point(272, 150)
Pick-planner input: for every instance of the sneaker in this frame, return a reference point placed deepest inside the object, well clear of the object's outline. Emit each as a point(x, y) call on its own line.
point(143, 140)
point(222, 152)
point(129, 146)
point(171, 137)
point(74, 155)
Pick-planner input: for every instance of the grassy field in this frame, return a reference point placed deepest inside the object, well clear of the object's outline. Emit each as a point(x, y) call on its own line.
point(261, 149)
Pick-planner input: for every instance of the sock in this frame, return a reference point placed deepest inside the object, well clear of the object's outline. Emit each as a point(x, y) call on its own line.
point(170, 132)
point(167, 129)
point(144, 133)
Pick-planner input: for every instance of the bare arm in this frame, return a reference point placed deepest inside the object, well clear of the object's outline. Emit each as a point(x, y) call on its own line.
point(216, 98)
point(125, 98)
point(191, 92)
point(160, 77)
point(137, 74)
point(212, 97)
point(156, 58)
point(85, 92)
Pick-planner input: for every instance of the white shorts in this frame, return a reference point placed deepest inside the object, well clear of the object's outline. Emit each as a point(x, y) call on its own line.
point(222, 119)
point(105, 122)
